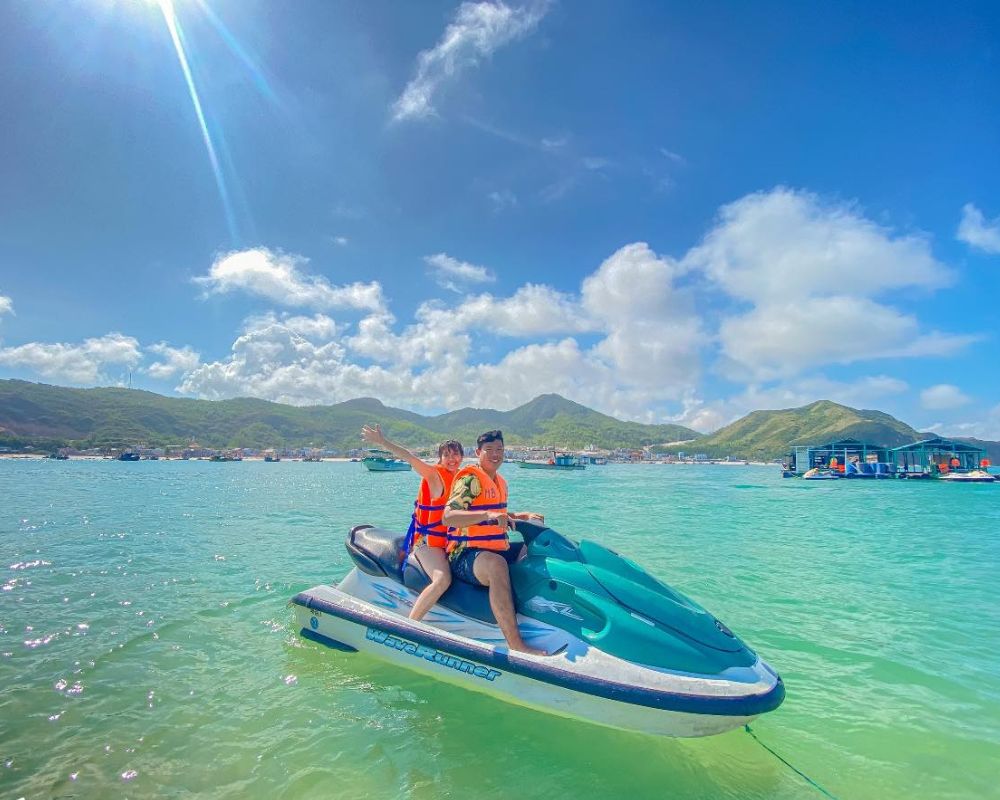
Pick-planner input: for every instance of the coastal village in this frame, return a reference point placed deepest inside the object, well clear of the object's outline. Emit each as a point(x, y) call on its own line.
point(948, 459)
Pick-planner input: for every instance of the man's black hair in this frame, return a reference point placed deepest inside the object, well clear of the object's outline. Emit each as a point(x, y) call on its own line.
point(489, 436)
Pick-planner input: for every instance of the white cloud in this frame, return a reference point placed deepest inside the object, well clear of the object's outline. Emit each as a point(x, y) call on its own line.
point(503, 200)
point(83, 363)
point(646, 353)
point(632, 283)
point(978, 232)
point(174, 360)
point(477, 31)
point(781, 340)
point(782, 245)
point(6, 305)
point(533, 310)
point(279, 277)
point(670, 155)
point(986, 427)
point(943, 396)
point(811, 271)
point(340, 240)
point(450, 273)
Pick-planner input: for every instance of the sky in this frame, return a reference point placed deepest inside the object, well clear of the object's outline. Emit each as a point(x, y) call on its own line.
point(666, 211)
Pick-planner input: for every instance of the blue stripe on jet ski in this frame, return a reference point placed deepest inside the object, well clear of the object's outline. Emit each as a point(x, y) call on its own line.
point(744, 706)
point(333, 644)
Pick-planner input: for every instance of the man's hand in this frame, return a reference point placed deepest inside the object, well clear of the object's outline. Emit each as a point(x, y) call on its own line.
point(503, 520)
point(373, 435)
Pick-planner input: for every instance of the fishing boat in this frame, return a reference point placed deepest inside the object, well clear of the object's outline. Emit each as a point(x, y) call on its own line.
point(627, 650)
point(129, 455)
point(384, 461)
point(558, 461)
point(970, 476)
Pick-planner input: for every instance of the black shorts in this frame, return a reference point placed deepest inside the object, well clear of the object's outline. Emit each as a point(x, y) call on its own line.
point(461, 565)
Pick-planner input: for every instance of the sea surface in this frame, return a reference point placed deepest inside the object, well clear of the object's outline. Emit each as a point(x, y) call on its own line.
point(147, 651)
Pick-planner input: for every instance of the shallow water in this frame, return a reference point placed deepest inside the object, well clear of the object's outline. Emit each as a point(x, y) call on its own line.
point(146, 649)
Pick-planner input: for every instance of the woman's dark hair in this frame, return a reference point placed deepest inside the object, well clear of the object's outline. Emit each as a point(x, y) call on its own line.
point(489, 436)
point(452, 445)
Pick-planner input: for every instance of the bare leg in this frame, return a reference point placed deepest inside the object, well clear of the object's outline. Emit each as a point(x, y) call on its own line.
point(491, 570)
point(435, 564)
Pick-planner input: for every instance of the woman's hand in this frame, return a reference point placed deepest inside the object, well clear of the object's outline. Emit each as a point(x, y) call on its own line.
point(373, 435)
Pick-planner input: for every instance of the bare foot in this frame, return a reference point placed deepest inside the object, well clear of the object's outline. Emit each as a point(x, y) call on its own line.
point(530, 650)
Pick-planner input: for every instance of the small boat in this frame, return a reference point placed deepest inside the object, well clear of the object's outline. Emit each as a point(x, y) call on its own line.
point(272, 457)
point(971, 476)
point(816, 474)
point(129, 455)
point(558, 461)
point(58, 455)
point(628, 651)
point(383, 461)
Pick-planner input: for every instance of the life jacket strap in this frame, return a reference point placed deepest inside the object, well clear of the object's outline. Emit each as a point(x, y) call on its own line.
point(490, 537)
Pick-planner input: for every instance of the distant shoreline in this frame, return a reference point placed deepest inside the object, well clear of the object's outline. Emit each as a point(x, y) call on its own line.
point(342, 459)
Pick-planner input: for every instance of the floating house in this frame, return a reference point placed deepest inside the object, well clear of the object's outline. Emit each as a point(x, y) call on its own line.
point(849, 457)
point(937, 456)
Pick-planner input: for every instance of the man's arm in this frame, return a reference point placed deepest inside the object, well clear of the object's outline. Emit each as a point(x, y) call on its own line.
point(528, 516)
point(424, 470)
point(456, 512)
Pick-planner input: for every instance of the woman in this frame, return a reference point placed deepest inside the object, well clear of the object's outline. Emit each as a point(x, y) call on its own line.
point(427, 535)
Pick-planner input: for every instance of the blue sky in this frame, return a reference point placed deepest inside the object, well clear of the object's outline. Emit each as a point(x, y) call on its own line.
point(665, 211)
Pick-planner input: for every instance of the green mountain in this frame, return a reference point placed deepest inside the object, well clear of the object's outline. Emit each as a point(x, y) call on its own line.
point(50, 416)
point(992, 448)
point(768, 434)
point(552, 419)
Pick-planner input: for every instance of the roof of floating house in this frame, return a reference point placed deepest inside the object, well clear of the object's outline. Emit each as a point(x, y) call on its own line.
point(950, 445)
point(846, 444)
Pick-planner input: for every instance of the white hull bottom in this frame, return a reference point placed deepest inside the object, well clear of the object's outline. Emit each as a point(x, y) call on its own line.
point(581, 682)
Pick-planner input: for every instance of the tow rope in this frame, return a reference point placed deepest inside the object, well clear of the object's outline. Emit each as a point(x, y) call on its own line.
point(793, 768)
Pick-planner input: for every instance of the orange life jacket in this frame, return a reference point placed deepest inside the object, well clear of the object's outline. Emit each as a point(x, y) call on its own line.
point(955, 463)
point(492, 497)
point(427, 510)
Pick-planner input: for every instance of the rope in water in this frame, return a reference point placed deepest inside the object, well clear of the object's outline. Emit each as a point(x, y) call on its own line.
point(794, 769)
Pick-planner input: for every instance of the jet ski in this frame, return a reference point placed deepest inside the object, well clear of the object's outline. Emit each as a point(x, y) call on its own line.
point(628, 651)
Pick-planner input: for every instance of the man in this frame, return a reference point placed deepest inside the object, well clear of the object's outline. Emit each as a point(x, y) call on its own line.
point(479, 549)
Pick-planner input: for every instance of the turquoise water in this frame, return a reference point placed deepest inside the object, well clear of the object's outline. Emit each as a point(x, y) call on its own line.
point(146, 649)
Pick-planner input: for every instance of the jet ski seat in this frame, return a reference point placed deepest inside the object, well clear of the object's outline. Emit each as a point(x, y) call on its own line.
point(471, 601)
point(379, 552)
point(376, 551)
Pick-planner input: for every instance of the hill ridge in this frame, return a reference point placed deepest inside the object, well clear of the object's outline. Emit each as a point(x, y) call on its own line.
point(49, 415)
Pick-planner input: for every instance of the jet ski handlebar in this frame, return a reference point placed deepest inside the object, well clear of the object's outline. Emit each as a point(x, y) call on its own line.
point(528, 530)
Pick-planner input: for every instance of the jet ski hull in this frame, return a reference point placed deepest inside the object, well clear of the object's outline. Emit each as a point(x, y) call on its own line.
point(369, 614)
